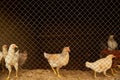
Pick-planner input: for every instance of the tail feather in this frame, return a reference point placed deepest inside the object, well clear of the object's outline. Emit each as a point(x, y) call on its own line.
point(17, 52)
point(46, 55)
point(87, 64)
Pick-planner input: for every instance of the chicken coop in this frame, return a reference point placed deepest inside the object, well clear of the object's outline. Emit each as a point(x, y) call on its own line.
point(39, 26)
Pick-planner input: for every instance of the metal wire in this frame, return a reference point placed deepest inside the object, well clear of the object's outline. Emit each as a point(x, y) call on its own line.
point(48, 25)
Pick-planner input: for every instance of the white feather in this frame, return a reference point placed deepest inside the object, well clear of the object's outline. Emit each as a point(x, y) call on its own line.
point(46, 55)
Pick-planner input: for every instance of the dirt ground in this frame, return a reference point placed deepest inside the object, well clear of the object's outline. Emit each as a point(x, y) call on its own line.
point(40, 74)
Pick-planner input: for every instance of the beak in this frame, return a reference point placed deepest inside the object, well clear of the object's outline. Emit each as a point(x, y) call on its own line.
point(69, 50)
point(16, 46)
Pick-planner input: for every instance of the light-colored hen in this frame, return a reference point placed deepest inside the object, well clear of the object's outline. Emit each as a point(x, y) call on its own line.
point(58, 60)
point(12, 59)
point(112, 44)
point(116, 61)
point(22, 58)
point(4, 52)
point(101, 65)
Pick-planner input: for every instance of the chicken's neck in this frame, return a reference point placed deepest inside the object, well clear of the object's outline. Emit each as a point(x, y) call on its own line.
point(111, 40)
point(11, 51)
point(5, 51)
point(64, 53)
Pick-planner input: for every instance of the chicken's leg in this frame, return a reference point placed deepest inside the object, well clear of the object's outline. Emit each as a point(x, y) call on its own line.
point(58, 74)
point(16, 68)
point(95, 75)
point(9, 69)
point(115, 70)
point(105, 74)
point(53, 70)
point(112, 71)
point(3, 69)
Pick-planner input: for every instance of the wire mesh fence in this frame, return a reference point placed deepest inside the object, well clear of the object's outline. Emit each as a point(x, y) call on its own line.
point(48, 26)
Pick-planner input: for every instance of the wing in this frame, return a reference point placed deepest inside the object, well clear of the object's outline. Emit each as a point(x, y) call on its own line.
point(17, 54)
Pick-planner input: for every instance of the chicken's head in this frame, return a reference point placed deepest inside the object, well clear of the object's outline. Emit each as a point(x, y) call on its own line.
point(111, 36)
point(111, 56)
point(66, 49)
point(4, 46)
point(13, 46)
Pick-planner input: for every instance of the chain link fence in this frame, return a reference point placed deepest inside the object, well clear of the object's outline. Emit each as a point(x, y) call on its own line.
point(40, 26)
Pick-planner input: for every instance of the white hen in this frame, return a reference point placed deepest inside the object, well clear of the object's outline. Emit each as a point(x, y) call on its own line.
point(12, 59)
point(4, 52)
point(112, 44)
point(101, 65)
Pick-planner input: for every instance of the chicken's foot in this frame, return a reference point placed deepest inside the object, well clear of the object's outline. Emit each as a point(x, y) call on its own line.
point(8, 76)
point(95, 75)
point(16, 73)
point(58, 74)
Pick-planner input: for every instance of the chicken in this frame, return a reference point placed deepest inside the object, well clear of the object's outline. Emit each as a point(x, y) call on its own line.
point(22, 58)
point(12, 60)
point(101, 65)
point(112, 44)
point(116, 61)
point(4, 52)
point(58, 60)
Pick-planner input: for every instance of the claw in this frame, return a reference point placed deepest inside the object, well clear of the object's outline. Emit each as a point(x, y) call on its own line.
point(59, 76)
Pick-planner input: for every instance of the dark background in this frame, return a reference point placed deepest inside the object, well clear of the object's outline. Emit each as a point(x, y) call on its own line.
point(48, 25)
